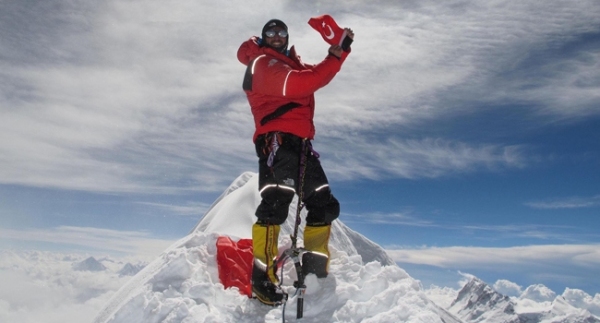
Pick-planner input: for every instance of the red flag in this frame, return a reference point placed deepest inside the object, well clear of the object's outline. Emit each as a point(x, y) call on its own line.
point(329, 29)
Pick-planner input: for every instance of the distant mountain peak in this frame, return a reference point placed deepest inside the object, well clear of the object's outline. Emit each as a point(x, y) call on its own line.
point(130, 269)
point(478, 302)
point(90, 264)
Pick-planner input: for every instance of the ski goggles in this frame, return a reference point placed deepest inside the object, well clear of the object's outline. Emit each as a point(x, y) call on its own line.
point(271, 33)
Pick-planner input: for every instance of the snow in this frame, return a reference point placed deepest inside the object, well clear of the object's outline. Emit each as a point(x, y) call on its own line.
point(182, 284)
point(478, 302)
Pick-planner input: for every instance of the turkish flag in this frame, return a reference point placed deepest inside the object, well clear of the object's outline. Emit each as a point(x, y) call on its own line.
point(329, 29)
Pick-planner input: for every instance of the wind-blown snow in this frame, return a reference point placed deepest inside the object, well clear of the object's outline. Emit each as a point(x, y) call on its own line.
point(182, 285)
point(538, 293)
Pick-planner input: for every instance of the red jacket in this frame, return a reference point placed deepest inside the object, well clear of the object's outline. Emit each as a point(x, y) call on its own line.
point(274, 80)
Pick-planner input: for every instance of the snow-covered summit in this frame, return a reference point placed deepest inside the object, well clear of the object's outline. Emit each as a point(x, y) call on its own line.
point(182, 285)
point(364, 285)
point(236, 216)
point(478, 302)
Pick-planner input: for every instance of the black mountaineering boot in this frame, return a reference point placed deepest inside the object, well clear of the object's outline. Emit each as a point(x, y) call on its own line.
point(313, 263)
point(264, 290)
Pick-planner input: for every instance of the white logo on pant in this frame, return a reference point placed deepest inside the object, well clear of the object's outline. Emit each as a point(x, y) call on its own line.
point(289, 182)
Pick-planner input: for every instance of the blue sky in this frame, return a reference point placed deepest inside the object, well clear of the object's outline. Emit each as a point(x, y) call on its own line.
point(462, 136)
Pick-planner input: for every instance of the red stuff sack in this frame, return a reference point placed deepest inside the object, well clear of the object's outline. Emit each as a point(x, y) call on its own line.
point(234, 260)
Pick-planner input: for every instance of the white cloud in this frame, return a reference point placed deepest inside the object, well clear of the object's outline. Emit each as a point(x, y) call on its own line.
point(387, 218)
point(189, 209)
point(538, 293)
point(508, 288)
point(145, 96)
point(581, 299)
point(481, 257)
point(86, 238)
point(430, 157)
point(442, 296)
point(43, 287)
point(566, 203)
point(110, 117)
point(483, 231)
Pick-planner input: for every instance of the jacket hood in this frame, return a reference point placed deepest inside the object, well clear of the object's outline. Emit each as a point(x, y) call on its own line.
point(250, 49)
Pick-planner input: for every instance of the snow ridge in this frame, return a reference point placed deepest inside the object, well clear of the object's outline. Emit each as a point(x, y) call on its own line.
point(182, 285)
